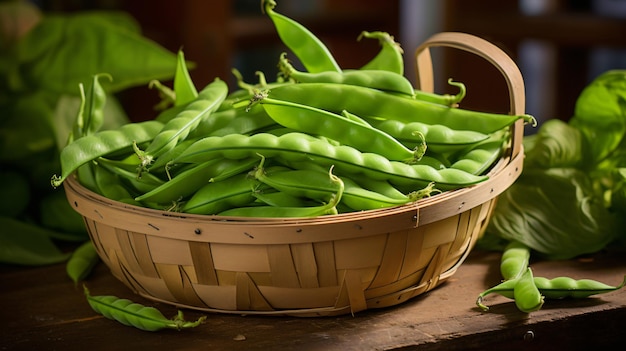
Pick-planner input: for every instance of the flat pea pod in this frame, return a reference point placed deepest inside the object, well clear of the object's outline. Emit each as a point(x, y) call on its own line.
point(145, 183)
point(184, 89)
point(109, 185)
point(187, 182)
point(82, 261)
point(94, 104)
point(348, 160)
point(375, 79)
point(309, 49)
point(514, 261)
point(527, 296)
point(216, 197)
point(329, 208)
point(358, 198)
point(320, 122)
point(280, 199)
point(439, 138)
point(178, 128)
point(367, 102)
point(136, 315)
point(102, 143)
point(233, 121)
point(389, 58)
point(300, 183)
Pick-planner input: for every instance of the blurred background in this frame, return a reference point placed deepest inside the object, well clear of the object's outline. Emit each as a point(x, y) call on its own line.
point(559, 45)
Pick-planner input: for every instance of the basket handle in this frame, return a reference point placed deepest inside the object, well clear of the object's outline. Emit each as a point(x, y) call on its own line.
point(486, 50)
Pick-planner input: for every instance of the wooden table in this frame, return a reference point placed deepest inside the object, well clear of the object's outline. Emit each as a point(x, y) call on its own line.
point(41, 309)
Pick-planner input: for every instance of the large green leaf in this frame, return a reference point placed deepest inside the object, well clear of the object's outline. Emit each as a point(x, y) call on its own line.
point(64, 50)
point(600, 113)
point(556, 212)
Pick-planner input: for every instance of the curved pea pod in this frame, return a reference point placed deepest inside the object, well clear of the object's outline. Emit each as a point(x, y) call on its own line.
point(367, 102)
point(480, 158)
point(566, 287)
point(439, 138)
point(291, 212)
point(309, 49)
point(375, 79)
point(109, 185)
point(300, 183)
point(178, 128)
point(298, 147)
point(280, 199)
point(136, 315)
point(184, 89)
point(90, 147)
point(216, 197)
point(389, 58)
point(514, 261)
point(527, 296)
point(443, 99)
point(233, 121)
point(82, 261)
point(358, 198)
point(190, 180)
point(315, 121)
point(145, 183)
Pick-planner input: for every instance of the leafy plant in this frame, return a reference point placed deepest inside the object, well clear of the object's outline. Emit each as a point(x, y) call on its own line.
point(569, 199)
point(47, 62)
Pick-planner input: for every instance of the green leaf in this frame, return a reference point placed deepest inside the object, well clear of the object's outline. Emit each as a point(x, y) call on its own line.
point(555, 212)
point(600, 113)
point(64, 50)
point(27, 244)
point(556, 144)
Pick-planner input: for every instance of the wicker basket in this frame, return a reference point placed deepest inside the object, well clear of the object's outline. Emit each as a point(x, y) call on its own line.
point(320, 266)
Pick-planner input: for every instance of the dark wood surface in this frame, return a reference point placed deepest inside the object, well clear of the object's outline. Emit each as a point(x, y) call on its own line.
point(41, 309)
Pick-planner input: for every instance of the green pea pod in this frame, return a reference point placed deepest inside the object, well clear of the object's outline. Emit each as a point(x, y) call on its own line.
point(309, 49)
point(184, 89)
point(178, 128)
point(136, 315)
point(375, 79)
point(566, 287)
point(346, 160)
point(480, 158)
point(514, 261)
point(389, 58)
point(90, 147)
point(280, 199)
point(291, 212)
point(367, 102)
point(82, 261)
point(216, 197)
point(233, 121)
point(110, 186)
point(528, 298)
point(145, 183)
point(187, 182)
point(319, 122)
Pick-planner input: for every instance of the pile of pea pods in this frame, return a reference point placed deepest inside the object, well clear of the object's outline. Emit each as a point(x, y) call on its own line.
point(318, 141)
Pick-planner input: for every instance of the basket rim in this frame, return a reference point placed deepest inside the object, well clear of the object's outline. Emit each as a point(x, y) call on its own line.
point(225, 229)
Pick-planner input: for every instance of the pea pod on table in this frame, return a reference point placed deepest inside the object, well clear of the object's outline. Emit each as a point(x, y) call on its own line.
point(137, 315)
